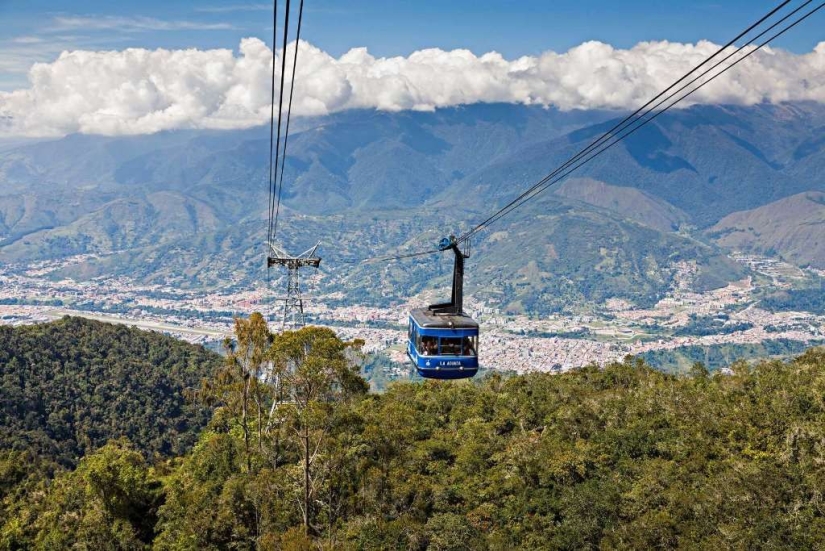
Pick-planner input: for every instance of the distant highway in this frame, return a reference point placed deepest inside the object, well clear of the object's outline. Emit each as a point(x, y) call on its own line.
point(141, 324)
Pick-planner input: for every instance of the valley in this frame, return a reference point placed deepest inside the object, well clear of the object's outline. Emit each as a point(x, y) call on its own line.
point(700, 235)
point(730, 316)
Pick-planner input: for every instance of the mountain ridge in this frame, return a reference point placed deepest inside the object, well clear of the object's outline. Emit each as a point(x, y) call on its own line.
point(371, 181)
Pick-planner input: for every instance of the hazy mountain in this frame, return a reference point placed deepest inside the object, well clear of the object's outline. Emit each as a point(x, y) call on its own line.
point(353, 160)
point(793, 228)
point(122, 223)
point(191, 206)
point(625, 201)
point(707, 161)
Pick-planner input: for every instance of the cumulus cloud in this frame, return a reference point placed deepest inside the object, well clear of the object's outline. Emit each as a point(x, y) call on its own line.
point(138, 91)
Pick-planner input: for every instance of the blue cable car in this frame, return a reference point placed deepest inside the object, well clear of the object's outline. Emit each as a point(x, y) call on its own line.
point(443, 341)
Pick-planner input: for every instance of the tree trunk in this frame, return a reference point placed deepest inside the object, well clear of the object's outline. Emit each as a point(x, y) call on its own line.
point(306, 482)
point(245, 424)
point(279, 399)
point(260, 420)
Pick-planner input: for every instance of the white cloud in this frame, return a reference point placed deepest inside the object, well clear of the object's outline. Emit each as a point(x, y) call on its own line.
point(27, 40)
point(132, 24)
point(235, 8)
point(137, 91)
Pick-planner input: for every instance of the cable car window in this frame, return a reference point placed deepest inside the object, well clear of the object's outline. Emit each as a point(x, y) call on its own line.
point(428, 346)
point(450, 346)
point(469, 346)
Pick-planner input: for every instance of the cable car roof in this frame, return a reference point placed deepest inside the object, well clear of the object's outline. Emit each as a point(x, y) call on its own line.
point(425, 318)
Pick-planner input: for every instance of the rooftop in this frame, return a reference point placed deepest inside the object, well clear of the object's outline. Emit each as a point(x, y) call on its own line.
point(425, 318)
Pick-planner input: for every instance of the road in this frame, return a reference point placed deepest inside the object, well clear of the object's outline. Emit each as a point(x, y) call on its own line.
point(142, 324)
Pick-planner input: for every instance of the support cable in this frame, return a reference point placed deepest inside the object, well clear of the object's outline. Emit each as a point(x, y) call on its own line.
point(272, 198)
point(376, 259)
point(289, 113)
point(272, 121)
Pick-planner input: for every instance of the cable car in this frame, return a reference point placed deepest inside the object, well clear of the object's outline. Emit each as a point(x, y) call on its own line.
point(443, 341)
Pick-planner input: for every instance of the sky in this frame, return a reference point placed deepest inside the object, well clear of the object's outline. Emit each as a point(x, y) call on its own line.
point(394, 33)
point(37, 30)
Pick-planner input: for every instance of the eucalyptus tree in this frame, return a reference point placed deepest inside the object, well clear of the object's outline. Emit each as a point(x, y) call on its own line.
point(319, 377)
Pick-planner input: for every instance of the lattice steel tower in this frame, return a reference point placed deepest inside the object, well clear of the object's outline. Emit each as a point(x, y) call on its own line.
point(293, 302)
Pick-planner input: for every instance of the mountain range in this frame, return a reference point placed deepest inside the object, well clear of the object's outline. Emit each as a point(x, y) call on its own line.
point(190, 207)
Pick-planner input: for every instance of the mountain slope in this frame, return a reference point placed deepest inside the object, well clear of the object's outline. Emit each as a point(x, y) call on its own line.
point(357, 160)
point(125, 223)
point(563, 253)
point(793, 228)
point(560, 253)
point(190, 207)
point(707, 161)
point(69, 386)
point(627, 202)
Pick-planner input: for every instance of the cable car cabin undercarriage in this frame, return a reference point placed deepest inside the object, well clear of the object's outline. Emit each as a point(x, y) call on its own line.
point(443, 341)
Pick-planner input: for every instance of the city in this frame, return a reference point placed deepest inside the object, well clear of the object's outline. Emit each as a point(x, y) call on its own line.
point(509, 342)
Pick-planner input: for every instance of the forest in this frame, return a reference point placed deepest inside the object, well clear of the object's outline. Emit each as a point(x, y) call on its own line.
point(68, 387)
point(298, 455)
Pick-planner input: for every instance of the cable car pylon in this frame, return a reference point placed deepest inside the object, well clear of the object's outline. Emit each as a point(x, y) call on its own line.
point(293, 317)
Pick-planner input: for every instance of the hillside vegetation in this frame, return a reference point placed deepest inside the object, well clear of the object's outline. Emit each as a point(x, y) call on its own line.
point(626, 201)
point(623, 457)
point(792, 228)
point(70, 386)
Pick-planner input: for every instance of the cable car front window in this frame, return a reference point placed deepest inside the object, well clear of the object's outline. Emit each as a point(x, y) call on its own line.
point(450, 346)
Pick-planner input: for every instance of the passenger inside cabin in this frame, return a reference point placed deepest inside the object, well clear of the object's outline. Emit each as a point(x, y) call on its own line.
point(428, 346)
point(450, 346)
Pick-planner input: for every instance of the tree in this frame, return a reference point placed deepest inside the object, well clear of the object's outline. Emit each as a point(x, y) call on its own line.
point(241, 383)
point(70, 386)
point(281, 439)
point(109, 502)
point(321, 377)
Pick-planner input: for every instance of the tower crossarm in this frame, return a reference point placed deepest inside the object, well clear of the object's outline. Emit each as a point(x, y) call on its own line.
point(293, 302)
point(279, 257)
point(293, 262)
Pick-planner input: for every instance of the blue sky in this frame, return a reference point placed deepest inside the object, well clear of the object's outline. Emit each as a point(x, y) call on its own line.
point(37, 30)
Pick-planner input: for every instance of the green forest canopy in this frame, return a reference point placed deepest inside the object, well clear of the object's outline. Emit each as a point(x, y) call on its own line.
point(619, 457)
point(70, 386)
